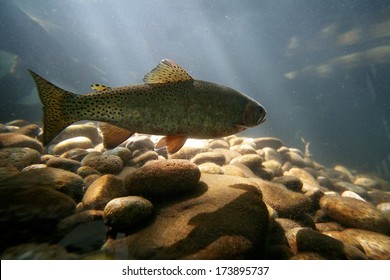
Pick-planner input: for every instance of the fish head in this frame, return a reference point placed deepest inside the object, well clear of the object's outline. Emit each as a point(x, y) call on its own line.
point(254, 114)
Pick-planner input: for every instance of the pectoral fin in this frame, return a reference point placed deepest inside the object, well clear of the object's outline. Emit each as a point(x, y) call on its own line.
point(113, 135)
point(172, 142)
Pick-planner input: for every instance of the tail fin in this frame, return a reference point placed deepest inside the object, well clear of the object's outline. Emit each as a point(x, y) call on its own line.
point(55, 118)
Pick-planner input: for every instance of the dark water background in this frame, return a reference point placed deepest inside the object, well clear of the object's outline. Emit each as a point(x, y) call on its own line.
point(321, 68)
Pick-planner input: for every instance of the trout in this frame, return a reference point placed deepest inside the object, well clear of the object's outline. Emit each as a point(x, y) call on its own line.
point(169, 103)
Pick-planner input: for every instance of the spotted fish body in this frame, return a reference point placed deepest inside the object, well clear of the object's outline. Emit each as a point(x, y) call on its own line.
point(170, 103)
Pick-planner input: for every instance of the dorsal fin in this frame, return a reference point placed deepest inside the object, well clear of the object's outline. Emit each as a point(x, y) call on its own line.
point(113, 135)
point(99, 87)
point(167, 71)
point(172, 142)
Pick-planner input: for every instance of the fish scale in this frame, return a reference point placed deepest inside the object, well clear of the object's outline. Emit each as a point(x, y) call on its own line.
point(169, 103)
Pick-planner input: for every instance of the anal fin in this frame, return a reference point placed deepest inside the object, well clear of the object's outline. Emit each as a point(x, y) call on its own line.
point(113, 135)
point(172, 142)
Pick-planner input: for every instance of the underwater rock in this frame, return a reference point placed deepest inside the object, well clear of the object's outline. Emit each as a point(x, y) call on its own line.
point(308, 256)
point(228, 154)
point(34, 166)
point(140, 143)
point(295, 159)
point(294, 151)
point(125, 171)
point(210, 168)
point(105, 164)
point(329, 226)
point(161, 178)
point(233, 170)
point(247, 171)
point(270, 142)
point(31, 130)
point(69, 223)
point(219, 143)
point(287, 224)
point(306, 220)
point(285, 202)
point(315, 194)
point(123, 213)
point(346, 239)
point(308, 240)
point(290, 182)
point(101, 191)
point(45, 158)
point(245, 149)
point(83, 232)
point(263, 173)
point(80, 142)
point(274, 168)
point(15, 140)
point(75, 154)
point(31, 214)
point(346, 173)
point(377, 197)
point(64, 163)
point(335, 174)
point(90, 155)
point(308, 181)
point(352, 195)
point(7, 129)
point(224, 219)
point(52, 178)
point(325, 182)
point(8, 171)
point(250, 142)
point(143, 158)
point(85, 237)
point(252, 161)
point(367, 183)
point(90, 179)
point(211, 205)
point(38, 251)
point(85, 171)
point(18, 123)
point(18, 157)
point(287, 166)
point(277, 235)
point(88, 130)
point(385, 209)
point(188, 152)
point(213, 157)
point(375, 245)
point(235, 140)
point(272, 154)
point(341, 186)
point(121, 152)
point(279, 252)
point(354, 213)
